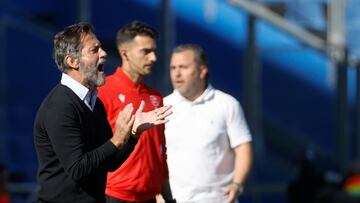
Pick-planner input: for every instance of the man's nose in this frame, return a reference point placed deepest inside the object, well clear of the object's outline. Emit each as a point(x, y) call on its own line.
point(103, 53)
point(153, 57)
point(177, 72)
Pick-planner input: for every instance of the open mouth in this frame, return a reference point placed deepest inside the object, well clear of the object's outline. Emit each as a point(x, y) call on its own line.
point(100, 67)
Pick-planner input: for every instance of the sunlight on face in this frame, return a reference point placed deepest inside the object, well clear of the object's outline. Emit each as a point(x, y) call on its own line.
point(185, 74)
point(92, 60)
point(141, 54)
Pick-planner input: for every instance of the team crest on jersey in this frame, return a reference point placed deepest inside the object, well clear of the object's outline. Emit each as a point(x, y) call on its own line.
point(121, 98)
point(154, 101)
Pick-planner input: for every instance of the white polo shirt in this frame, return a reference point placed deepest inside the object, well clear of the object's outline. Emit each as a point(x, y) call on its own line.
point(200, 136)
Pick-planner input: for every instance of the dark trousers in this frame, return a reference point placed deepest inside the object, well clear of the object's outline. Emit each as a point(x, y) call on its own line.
point(115, 200)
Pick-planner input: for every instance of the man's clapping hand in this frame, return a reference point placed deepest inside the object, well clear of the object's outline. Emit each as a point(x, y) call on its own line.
point(146, 120)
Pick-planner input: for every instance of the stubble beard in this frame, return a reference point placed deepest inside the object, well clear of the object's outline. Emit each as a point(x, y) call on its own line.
point(97, 79)
point(93, 77)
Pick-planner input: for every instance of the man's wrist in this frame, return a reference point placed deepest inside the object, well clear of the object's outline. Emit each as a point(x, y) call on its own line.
point(240, 186)
point(118, 143)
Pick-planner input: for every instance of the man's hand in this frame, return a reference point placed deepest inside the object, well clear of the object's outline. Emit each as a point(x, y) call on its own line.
point(123, 126)
point(232, 191)
point(146, 120)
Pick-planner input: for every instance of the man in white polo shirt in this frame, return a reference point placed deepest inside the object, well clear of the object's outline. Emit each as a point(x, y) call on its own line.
point(208, 141)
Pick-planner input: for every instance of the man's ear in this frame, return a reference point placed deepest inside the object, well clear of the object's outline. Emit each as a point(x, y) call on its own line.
point(123, 53)
point(72, 62)
point(203, 71)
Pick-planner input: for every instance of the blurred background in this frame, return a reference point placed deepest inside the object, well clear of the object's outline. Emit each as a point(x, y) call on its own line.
point(293, 65)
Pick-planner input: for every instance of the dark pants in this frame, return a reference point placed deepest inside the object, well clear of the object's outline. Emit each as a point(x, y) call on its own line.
point(115, 200)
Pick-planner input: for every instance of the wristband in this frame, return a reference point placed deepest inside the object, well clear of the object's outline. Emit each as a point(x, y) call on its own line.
point(170, 201)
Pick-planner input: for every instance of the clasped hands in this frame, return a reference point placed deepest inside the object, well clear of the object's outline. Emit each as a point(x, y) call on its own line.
point(128, 123)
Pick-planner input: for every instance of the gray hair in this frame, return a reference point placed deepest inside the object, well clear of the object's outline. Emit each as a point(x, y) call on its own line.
point(69, 43)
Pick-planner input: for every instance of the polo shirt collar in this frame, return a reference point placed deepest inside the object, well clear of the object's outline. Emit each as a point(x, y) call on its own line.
point(205, 96)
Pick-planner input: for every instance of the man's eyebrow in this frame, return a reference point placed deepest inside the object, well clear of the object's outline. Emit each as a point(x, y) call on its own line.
point(96, 46)
point(149, 49)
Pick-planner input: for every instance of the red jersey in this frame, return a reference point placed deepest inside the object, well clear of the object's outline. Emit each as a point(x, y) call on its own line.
point(4, 198)
point(141, 176)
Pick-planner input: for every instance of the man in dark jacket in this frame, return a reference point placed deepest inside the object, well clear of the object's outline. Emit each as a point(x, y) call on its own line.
point(74, 142)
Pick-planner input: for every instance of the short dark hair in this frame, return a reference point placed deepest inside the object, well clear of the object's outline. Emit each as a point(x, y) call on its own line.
point(199, 53)
point(132, 29)
point(69, 42)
